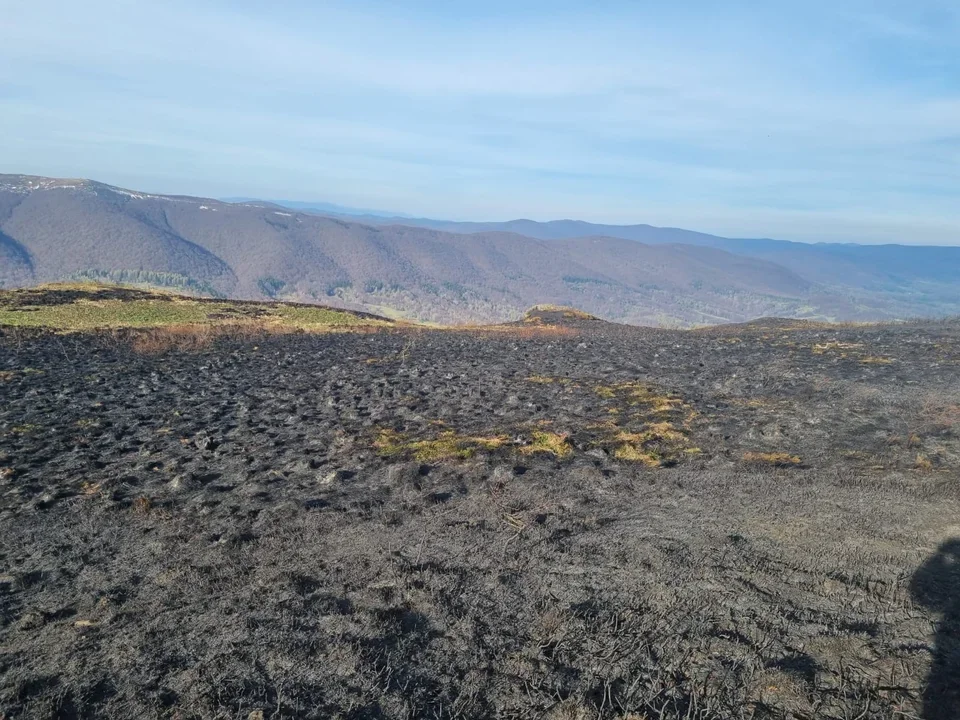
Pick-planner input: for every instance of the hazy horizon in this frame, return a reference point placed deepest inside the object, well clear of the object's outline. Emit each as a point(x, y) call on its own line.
point(799, 122)
point(348, 211)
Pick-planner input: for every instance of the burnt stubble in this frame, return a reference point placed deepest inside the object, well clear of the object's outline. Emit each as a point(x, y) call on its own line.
point(561, 518)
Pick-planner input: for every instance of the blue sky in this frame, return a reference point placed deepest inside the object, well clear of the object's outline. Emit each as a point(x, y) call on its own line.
point(807, 120)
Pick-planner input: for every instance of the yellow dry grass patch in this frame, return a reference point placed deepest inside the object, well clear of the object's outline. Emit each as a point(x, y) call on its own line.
point(448, 445)
point(90, 488)
point(445, 447)
point(549, 380)
point(490, 443)
point(632, 453)
point(662, 405)
point(557, 444)
point(656, 444)
point(638, 393)
point(604, 425)
point(662, 439)
point(25, 429)
point(661, 431)
point(605, 391)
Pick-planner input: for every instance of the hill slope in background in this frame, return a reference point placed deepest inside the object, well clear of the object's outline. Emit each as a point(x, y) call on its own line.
point(886, 268)
point(60, 229)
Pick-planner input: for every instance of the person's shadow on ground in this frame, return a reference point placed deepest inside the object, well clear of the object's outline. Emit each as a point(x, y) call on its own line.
point(936, 585)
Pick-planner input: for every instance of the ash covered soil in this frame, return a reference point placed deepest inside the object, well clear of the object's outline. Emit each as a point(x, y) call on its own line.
point(564, 519)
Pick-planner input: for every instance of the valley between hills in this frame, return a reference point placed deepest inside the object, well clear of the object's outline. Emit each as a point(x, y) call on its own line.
point(448, 273)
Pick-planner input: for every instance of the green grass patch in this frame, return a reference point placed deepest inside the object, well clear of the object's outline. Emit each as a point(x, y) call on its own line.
point(83, 307)
point(308, 318)
point(87, 315)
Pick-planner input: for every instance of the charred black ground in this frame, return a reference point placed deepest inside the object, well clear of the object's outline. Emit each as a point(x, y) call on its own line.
point(560, 518)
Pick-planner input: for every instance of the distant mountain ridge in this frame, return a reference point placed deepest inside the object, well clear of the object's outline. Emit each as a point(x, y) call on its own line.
point(823, 262)
point(831, 263)
point(557, 229)
point(55, 229)
point(321, 208)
